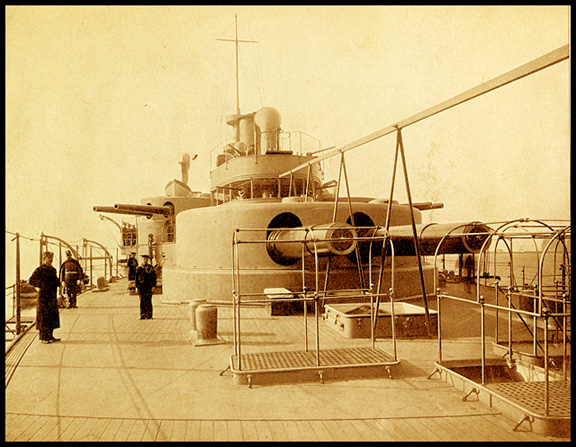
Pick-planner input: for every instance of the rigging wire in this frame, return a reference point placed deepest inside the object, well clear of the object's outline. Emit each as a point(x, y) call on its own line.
point(261, 87)
point(228, 79)
point(25, 237)
point(48, 241)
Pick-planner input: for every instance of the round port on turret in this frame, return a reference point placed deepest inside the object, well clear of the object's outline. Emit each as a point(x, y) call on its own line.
point(364, 247)
point(283, 220)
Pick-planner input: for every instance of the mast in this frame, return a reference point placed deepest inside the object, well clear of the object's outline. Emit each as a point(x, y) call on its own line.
point(237, 75)
point(237, 41)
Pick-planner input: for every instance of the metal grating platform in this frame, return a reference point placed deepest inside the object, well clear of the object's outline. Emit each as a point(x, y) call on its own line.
point(530, 395)
point(292, 360)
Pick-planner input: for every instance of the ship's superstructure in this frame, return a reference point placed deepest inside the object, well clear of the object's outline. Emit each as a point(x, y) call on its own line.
point(189, 234)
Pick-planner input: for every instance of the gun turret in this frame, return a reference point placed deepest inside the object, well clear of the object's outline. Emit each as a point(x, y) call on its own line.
point(136, 210)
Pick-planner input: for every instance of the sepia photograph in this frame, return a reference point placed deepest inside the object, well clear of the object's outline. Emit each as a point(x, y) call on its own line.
point(287, 223)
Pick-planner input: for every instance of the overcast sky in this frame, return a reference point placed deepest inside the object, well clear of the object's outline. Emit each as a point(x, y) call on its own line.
point(102, 101)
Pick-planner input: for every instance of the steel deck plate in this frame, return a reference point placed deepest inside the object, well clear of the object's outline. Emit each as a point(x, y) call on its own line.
point(530, 395)
point(293, 360)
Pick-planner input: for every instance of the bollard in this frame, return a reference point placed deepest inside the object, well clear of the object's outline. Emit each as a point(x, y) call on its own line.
point(193, 306)
point(207, 321)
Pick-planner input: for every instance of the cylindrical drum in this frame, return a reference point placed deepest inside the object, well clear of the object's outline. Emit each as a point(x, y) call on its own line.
point(207, 321)
point(193, 306)
point(101, 282)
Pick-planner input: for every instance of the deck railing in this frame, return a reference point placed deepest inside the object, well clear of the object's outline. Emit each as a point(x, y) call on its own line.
point(14, 325)
point(315, 293)
point(539, 302)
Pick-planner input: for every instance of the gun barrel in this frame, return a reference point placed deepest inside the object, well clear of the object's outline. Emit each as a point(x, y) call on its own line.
point(425, 206)
point(326, 239)
point(456, 238)
point(144, 209)
point(111, 209)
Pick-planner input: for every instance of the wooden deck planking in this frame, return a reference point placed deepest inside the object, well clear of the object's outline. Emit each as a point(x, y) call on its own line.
point(151, 430)
point(379, 430)
point(178, 431)
point(365, 431)
point(395, 432)
point(206, 430)
point(84, 433)
point(69, 433)
point(424, 426)
point(433, 429)
point(125, 326)
point(21, 426)
point(349, 428)
point(46, 425)
point(249, 431)
point(97, 429)
point(138, 430)
point(321, 431)
point(124, 430)
point(292, 431)
point(442, 430)
point(505, 425)
point(192, 431)
point(263, 430)
point(307, 431)
point(235, 431)
point(165, 431)
point(336, 431)
point(409, 429)
point(61, 424)
point(110, 430)
point(458, 426)
point(474, 426)
point(221, 431)
point(277, 431)
point(16, 424)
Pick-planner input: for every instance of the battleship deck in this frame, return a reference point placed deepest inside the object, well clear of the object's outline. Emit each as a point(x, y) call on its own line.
point(114, 377)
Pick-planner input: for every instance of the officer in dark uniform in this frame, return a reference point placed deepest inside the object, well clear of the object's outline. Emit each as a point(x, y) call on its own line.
point(132, 265)
point(71, 273)
point(47, 316)
point(145, 282)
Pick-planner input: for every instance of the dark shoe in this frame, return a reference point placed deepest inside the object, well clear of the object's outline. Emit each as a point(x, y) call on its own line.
point(69, 307)
point(142, 318)
point(55, 339)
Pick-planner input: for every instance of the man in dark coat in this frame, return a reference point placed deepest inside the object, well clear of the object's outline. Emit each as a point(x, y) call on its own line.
point(71, 273)
point(132, 265)
point(47, 316)
point(145, 282)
